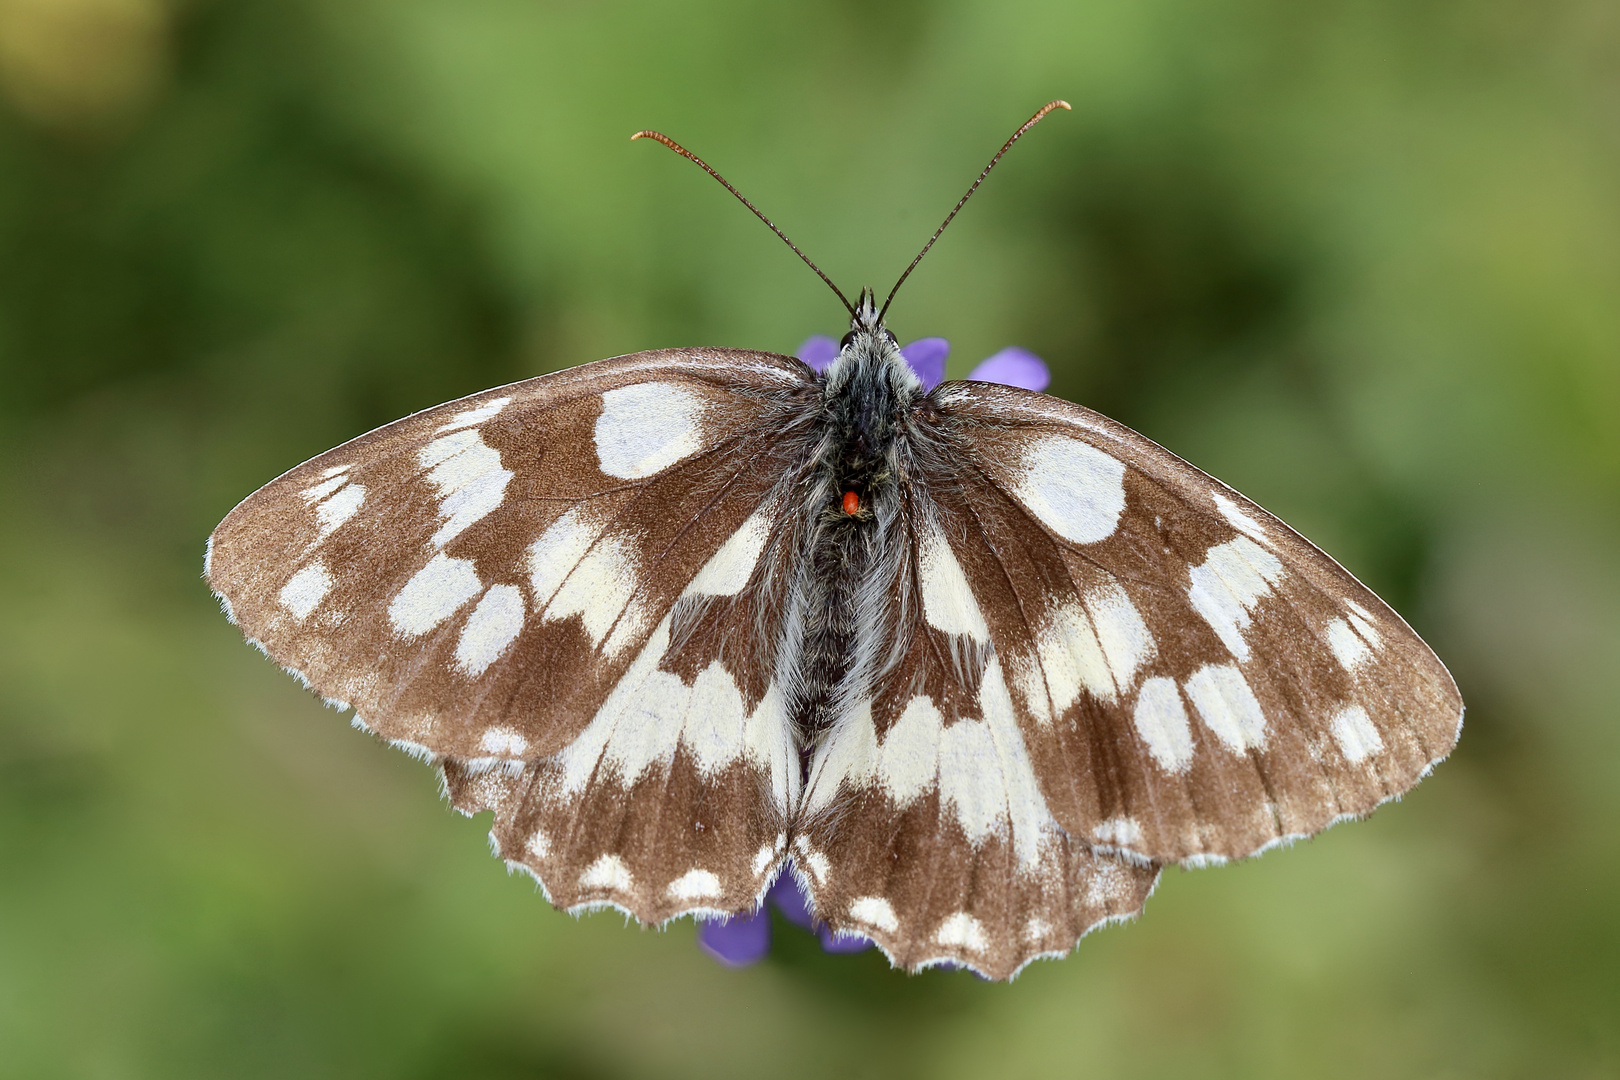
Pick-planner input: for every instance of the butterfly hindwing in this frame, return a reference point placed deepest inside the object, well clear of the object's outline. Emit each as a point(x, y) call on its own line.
point(676, 797)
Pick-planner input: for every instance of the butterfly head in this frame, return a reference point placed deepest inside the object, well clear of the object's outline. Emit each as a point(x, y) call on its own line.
point(870, 354)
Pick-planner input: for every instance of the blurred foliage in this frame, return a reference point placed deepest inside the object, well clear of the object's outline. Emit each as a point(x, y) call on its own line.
point(1361, 260)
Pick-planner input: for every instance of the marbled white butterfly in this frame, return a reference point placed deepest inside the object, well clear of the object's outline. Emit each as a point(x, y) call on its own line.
point(975, 661)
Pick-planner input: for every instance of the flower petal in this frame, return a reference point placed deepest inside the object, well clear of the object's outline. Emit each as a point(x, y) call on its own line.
point(1013, 366)
point(927, 358)
point(818, 351)
point(790, 899)
point(842, 943)
point(738, 941)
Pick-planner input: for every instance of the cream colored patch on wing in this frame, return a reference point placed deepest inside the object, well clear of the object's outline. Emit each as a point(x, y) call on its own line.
point(1229, 584)
point(948, 602)
point(962, 931)
point(874, 911)
point(728, 570)
point(909, 757)
point(1119, 831)
point(1242, 522)
point(1161, 721)
point(470, 479)
point(1121, 632)
point(305, 590)
point(608, 872)
point(1075, 489)
point(1353, 730)
point(434, 593)
point(696, 884)
point(1072, 658)
point(474, 416)
point(555, 552)
point(647, 427)
point(1228, 706)
point(1347, 646)
point(493, 625)
point(848, 758)
point(599, 586)
point(503, 742)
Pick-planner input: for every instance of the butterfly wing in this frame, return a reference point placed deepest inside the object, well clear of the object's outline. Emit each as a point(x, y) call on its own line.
point(567, 571)
point(1115, 662)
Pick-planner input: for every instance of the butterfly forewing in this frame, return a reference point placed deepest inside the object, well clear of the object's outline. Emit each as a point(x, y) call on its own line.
point(562, 570)
point(1193, 679)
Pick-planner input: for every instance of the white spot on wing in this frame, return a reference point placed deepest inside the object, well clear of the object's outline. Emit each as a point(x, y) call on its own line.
point(338, 509)
point(1229, 584)
point(910, 753)
point(1124, 637)
point(494, 624)
point(817, 862)
point(331, 483)
point(1353, 730)
point(470, 417)
point(1350, 650)
point(728, 569)
point(1122, 831)
point(848, 757)
point(874, 911)
point(305, 590)
point(1075, 489)
point(539, 844)
point(1071, 657)
point(763, 859)
point(608, 872)
point(1235, 517)
point(470, 479)
point(1227, 706)
point(695, 884)
point(503, 742)
point(1363, 624)
point(1162, 722)
point(963, 931)
point(948, 602)
point(715, 719)
point(558, 550)
point(646, 428)
point(435, 593)
point(598, 587)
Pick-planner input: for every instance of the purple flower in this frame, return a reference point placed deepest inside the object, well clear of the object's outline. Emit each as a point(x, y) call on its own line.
point(1012, 366)
point(745, 939)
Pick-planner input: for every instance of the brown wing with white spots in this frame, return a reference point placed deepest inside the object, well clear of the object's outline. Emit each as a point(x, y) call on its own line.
point(1193, 679)
point(923, 825)
point(675, 797)
point(550, 572)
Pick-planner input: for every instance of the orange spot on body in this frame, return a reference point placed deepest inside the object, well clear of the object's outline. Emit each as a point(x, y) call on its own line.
point(852, 502)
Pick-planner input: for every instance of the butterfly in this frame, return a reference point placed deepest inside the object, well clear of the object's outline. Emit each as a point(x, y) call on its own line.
point(976, 662)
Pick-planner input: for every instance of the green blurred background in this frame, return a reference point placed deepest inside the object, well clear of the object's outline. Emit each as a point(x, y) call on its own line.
point(1360, 259)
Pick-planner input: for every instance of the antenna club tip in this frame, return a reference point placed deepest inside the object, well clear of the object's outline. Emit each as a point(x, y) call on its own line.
point(1060, 103)
point(641, 135)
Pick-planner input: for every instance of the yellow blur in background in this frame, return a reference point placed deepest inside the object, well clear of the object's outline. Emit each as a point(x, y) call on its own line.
point(1360, 260)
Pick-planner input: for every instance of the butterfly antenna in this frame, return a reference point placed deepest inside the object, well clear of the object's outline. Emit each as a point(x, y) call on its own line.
point(704, 165)
point(1037, 118)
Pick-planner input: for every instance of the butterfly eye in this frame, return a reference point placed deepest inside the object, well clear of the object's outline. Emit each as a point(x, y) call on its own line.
point(845, 342)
